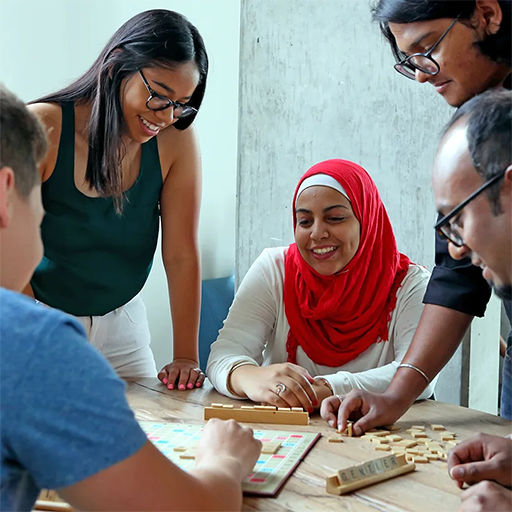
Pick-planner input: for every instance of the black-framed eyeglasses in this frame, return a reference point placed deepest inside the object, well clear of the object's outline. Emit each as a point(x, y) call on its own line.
point(158, 102)
point(444, 227)
point(422, 61)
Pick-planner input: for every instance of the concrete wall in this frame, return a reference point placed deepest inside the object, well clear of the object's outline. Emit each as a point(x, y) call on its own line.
point(317, 82)
point(45, 44)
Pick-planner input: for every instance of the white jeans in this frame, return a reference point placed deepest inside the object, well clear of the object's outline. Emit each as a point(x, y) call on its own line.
point(122, 336)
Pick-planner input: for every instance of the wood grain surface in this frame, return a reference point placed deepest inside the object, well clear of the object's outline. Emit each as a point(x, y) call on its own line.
point(429, 488)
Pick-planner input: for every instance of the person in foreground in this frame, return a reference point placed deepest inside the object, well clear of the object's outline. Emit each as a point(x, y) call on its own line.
point(334, 311)
point(124, 158)
point(59, 431)
point(472, 181)
point(462, 49)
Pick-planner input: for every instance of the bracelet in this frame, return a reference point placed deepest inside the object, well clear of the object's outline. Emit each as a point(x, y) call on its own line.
point(412, 367)
point(326, 383)
point(233, 368)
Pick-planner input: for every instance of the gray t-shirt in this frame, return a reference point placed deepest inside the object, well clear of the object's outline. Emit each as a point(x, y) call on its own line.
point(64, 415)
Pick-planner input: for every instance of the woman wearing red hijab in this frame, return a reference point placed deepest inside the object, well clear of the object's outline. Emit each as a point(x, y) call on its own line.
point(335, 310)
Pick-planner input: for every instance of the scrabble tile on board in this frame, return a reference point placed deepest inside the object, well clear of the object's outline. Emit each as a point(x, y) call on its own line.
point(418, 427)
point(437, 427)
point(335, 439)
point(383, 447)
point(394, 438)
point(270, 448)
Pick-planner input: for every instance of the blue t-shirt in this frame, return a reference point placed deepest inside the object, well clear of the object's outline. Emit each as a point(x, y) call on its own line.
point(64, 415)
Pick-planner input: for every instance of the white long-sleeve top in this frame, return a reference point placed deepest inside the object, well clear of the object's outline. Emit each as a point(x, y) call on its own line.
point(256, 331)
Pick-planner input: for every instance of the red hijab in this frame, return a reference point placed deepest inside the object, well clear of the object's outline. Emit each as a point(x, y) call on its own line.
point(336, 318)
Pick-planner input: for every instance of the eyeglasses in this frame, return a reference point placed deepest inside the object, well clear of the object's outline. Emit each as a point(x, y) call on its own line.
point(443, 226)
point(158, 102)
point(422, 61)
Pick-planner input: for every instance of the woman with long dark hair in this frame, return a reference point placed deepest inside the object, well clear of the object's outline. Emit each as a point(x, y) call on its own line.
point(123, 156)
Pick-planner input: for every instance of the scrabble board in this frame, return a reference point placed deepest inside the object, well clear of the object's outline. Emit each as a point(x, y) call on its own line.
point(271, 470)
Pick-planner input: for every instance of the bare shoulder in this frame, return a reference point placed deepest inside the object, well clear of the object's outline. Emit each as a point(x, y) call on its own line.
point(177, 145)
point(50, 114)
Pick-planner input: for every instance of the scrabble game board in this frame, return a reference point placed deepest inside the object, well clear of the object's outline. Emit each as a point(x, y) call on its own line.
point(271, 470)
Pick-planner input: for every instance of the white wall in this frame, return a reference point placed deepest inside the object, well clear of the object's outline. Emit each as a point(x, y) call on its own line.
point(45, 44)
point(317, 82)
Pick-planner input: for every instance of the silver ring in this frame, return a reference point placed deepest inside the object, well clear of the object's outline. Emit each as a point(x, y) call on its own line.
point(197, 370)
point(280, 388)
point(340, 398)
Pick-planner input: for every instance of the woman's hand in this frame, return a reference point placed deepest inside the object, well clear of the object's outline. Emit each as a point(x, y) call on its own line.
point(483, 457)
point(282, 385)
point(182, 374)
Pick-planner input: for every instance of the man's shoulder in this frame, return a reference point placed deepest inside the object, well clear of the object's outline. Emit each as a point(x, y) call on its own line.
point(21, 313)
point(27, 326)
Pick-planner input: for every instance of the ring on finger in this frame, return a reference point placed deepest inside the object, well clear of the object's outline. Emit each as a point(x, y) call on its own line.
point(340, 398)
point(280, 388)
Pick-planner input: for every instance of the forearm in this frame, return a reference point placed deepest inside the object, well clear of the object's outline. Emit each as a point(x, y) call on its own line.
point(217, 489)
point(184, 281)
point(437, 337)
point(237, 377)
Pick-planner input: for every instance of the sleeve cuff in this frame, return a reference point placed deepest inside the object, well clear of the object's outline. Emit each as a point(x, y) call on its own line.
point(465, 292)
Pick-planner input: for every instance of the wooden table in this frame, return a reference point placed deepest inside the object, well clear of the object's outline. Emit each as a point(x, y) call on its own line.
point(429, 488)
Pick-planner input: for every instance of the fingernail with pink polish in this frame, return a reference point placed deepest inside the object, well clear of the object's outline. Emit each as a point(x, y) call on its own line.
point(165, 381)
point(198, 384)
point(171, 386)
point(190, 386)
point(182, 387)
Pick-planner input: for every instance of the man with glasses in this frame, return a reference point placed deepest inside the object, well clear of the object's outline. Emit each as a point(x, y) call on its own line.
point(472, 182)
point(462, 49)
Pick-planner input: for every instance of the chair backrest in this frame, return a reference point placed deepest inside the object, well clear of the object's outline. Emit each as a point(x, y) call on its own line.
point(217, 296)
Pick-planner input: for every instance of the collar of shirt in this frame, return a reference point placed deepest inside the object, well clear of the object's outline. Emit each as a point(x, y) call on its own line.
point(508, 82)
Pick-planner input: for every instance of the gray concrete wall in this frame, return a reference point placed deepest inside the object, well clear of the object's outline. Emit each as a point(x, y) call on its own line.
point(317, 82)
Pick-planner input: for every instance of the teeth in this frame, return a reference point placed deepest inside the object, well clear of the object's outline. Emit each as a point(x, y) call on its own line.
point(324, 251)
point(152, 127)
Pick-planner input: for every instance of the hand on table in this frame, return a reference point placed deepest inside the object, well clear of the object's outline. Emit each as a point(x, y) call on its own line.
point(182, 374)
point(282, 385)
point(229, 442)
point(486, 497)
point(370, 409)
point(483, 457)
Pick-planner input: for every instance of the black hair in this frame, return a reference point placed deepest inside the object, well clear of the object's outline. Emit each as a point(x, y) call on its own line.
point(497, 47)
point(23, 142)
point(489, 133)
point(152, 38)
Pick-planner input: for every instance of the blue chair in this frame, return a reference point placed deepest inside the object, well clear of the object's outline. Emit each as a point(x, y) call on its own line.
point(217, 296)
